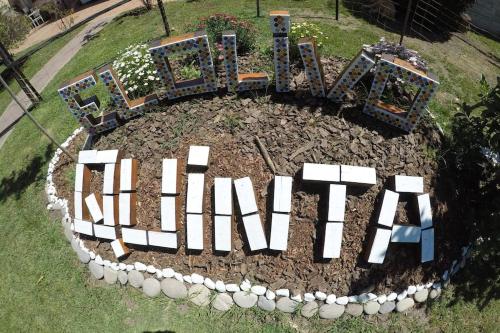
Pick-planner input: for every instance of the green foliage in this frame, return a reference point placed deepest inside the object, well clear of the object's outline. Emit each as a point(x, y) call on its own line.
point(13, 27)
point(190, 71)
point(136, 70)
point(301, 30)
point(217, 23)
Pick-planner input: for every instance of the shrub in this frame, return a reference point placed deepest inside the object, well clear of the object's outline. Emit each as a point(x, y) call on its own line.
point(218, 23)
point(136, 70)
point(301, 30)
point(13, 27)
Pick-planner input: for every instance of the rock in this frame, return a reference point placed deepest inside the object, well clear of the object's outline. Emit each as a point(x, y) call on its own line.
point(68, 233)
point(197, 278)
point(309, 309)
point(387, 307)
point(354, 309)
point(232, 288)
point(258, 290)
point(187, 279)
point(266, 304)
point(222, 302)
point(330, 299)
point(92, 255)
point(178, 277)
point(287, 305)
point(434, 293)
point(245, 285)
point(199, 295)
point(371, 307)
point(363, 298)
point(382, 299)
point(74, 244)
point(354, 299)
point(110, 275)
point(402, 295)
point(122, 266)
point(320, 296)
point(83, 256)
point(342, 300)
point(220, 286)
point(209, 283)
point(173, 288)
point(331, 311)
point(392, 296)
point(411, 290)
point(297, 298)
point(96, 270)
point(168, 272)
point(139, 266)
point(151, 287)
point(129, 267)
point(151, 269)
point(405, 305)
point(283, 292)
point(122, 277)
point(159, 274)
point(244, 299)
point(270, 294)
point(308, 297)
point(421, 296)
point(420, 287)
point(135, 278)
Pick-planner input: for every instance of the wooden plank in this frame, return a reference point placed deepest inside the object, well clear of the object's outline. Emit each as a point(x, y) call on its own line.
point(94, 204)
point(427, 245)
point(321, 172)
point(198, 156)
point(425, 211)
point(135, 236)
point(405, 234)
point(81, 210)
point(282, 199)
point(332, 242)
point(111, 179)
point(279, 231)
point(83, 227)
point(87, 156)
point(358, 175)
point(195, 190)
point(223, 232)
point(245, 195)
point(82, 178)
point(194, 232)
point(127, 208)
point(108, 156)
point(408, 184)
point(110, 207)
point(163, 239)
point(171, 177)
point(223, 194)
point(254, 231)
point(378, 245)
point(128, 175)
point(119, 248)
point(105, 231)
point(388, 210)
point(336, 203)
point(170, 213)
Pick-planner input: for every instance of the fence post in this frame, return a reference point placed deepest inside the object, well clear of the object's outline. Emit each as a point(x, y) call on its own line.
point(164, 17)
point(336, 10)
point(258, 7)
point(405, 24)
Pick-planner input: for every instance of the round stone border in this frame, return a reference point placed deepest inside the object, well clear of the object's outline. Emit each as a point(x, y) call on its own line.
point(203, 291)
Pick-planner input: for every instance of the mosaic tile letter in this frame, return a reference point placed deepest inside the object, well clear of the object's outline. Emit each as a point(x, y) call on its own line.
point(280, 26)
point(312, 65)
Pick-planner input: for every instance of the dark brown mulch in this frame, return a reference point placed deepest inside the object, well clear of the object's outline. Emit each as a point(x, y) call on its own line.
point(309, 130)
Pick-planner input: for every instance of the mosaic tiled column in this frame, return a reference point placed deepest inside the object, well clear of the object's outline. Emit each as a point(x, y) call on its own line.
point(280, 26)
point(194, 43)
point(236, 81)
point(127, 108)
point(312, 66)
point(352, 73)
point(391, 114)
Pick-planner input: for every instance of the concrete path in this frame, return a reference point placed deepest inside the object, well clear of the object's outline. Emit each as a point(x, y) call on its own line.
point(41, 79)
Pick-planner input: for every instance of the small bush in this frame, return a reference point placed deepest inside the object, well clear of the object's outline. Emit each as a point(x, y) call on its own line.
point(13, 27)
point(301, 30)
point(136, 70)
point(218, 23)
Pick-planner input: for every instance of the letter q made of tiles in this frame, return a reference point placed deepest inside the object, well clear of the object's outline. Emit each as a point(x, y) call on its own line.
point(406, 120)
point(195, 43)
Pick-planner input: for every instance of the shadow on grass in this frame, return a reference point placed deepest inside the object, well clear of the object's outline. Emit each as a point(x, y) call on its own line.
point(17, 181)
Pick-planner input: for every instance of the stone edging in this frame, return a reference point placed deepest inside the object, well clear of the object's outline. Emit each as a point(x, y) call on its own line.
point(199, 289)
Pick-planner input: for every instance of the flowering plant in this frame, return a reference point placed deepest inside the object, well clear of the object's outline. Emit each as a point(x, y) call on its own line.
point(301, 30)
point(136, 70)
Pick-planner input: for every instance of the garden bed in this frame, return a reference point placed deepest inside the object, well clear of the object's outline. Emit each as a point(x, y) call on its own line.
point(296, 128)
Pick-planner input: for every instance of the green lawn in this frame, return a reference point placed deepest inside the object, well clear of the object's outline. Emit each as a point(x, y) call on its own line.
point(44, 288)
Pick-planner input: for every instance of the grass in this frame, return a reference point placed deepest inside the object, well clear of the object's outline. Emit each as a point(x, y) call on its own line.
point(44, 288)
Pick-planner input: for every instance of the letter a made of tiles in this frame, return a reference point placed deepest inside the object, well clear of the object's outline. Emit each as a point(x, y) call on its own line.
point(127, 108)
point(351, 74)
point(312, 65)
point(194, 43)
point(236, 81)
point(406, 120)
point(280, 26)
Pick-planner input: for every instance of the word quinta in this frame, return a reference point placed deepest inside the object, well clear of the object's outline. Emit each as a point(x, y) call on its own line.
point(112, 213)
point(197, 45)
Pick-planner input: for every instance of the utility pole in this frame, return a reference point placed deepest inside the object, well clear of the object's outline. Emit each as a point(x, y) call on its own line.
point(34, 120)
point(164, 17)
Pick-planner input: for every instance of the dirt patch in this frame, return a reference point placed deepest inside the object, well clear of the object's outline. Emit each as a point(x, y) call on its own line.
point(296, 128)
